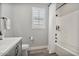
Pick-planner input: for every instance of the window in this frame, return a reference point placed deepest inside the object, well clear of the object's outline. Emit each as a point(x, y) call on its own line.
point(38, 18)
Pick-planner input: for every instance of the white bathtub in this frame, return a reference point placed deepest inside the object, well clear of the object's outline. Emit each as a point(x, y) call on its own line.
point(62, 51)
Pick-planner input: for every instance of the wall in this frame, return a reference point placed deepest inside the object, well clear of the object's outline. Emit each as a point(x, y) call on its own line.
point(68, 34)
point(68, 8)
point(6, 11)
point(21, 18)
point(0, 15)
point(0, 9)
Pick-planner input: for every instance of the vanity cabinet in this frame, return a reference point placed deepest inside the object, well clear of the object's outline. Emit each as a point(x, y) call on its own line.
point(16, 50)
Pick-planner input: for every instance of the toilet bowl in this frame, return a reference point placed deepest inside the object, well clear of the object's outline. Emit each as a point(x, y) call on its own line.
point(25, 49)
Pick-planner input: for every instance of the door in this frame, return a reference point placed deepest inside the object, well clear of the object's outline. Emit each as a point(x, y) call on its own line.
point(52, 28)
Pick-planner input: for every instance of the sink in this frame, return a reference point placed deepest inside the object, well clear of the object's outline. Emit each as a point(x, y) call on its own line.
point(8, 43)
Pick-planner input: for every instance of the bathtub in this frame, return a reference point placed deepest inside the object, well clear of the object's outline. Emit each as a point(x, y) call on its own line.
point(62, 51)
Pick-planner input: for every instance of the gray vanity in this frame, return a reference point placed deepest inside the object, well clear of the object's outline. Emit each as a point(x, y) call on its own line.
point(11, 46)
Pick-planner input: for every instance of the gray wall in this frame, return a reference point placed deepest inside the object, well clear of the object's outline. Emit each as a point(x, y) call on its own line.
point(0, 15)
point(7, 11)
point(0, 9)
point(21, 20)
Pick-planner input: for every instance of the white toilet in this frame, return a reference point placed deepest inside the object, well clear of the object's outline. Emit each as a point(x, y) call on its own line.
point(25, 49)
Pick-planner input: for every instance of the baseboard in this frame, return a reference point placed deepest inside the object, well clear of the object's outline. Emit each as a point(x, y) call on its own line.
point(62, 51)
point(38, 47)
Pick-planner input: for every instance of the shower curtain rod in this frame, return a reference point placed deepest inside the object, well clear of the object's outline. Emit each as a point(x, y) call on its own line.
point(61, 6)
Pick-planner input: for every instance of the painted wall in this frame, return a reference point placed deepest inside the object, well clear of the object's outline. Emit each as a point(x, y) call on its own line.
point(68, 8)
point(21, 19)
point(69, 27)
point(0, 15)
point(6, 11)
point(0, 9)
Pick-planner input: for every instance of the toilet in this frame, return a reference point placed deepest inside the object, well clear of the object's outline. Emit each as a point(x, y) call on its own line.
point(25, 49)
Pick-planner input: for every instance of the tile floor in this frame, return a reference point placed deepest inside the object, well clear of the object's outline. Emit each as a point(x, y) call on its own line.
point(41, 52)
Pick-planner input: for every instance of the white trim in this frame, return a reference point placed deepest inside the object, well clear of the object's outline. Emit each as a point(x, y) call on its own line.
point(38, 47)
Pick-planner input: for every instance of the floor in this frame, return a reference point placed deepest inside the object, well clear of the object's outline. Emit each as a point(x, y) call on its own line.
point(41, 52)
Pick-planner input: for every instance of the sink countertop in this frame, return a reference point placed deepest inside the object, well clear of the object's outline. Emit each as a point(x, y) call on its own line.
point(7, 43)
